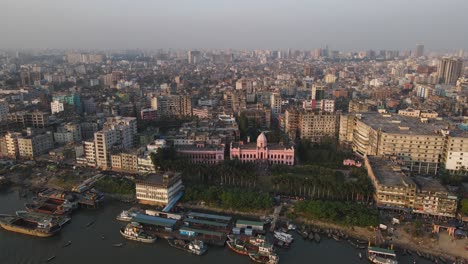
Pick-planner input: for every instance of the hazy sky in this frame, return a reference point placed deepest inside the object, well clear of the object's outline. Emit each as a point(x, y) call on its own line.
point(297, 24)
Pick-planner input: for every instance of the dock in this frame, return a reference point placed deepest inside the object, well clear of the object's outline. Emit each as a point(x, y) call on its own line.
point(276, 214)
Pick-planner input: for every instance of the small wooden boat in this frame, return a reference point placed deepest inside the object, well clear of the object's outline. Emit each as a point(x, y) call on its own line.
point(90, 224)
point(68, 243)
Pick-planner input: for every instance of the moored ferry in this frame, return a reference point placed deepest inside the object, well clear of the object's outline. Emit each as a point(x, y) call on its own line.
point(265, 254)
point(196, 247)
point(134, 231)
point(241, 247)
point(282, 236)
point(44, 227)
point(381, 255)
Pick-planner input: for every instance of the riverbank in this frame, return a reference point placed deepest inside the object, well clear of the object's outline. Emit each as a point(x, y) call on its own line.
point(401, 239)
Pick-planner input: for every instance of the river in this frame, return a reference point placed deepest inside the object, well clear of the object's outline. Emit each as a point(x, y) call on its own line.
point(88, 247)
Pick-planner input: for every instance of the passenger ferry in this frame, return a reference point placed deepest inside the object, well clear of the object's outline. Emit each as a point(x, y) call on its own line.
point(381, 255)
point(134, 231)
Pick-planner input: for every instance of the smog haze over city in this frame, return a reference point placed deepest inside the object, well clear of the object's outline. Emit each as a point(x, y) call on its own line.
point(242, 24)
point(234, 132)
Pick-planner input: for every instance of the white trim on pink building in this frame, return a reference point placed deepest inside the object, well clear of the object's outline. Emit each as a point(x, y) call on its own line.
point(262, 151)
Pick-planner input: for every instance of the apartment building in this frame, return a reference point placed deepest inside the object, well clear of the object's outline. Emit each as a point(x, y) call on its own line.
point(172, 105)
point(394, 189)
point(127, 162)
point(419, 143)
point(291, 123)
point(314, 125)
point(36, 119)
point(455, 156)
point(35, 145)
point(103, 141)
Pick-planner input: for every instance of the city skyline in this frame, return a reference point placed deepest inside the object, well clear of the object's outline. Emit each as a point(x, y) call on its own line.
point(141, 24)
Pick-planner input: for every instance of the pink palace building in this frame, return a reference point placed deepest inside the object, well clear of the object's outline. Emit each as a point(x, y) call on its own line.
point(262, 151)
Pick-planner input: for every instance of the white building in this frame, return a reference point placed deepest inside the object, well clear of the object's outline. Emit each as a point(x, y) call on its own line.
point(56, 107)
point(157, 144)
point(159, 189)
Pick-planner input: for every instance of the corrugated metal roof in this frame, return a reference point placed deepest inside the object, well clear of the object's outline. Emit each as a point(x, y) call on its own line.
point(153, 220)
point(249, 223)
point(204, 222)
point(217, 217)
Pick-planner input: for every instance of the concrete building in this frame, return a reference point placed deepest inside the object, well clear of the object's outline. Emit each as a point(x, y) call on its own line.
point(56, 107)
point(148, 114)
point(35, 145)
point(103, 141)
point(314, 125)
point(4, 110)
point(89, 153)
point(394, 189)
point(159, 189)
point(126, 162)
point(262, 152)
point(172, 105)
point(291, 123)
point(419, 51)
point(455, 156)
point(202, 153)
point(126, 130)
point(36, 119)
point(419, 143)
point(318, 91)
point(449, 70)
point(275, 104)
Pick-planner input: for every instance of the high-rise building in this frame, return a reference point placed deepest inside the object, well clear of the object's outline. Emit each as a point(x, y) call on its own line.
point(318, 91)
point(172, 105)
point(3, 111)
point(275, 104)
point(419, 51)
point(315, 125)
point(194, 56)
point(103, 141)
point(449, 70)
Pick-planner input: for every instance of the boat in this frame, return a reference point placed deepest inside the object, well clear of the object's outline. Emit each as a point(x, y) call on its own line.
point(317, 238)
point(381, 255)
point(196, 247)
point(59, 219)
point(287, 238)
point(311, 236)
point(118, 245)
point(242, 248)
point(51, 206)
point(68, 243)
point(336, 237)
point(134, 231)
point(281, 244)
point(292, 226)
point(265, 254)
point(40, 227)
point(360, 255)
point(50, 259)
point(90, 223)
point(125, 216)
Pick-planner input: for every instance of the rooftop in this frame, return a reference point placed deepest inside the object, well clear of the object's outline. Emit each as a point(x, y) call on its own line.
point(389, 173)
point(154, 220)
point(403, 124)
point(210, 216)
